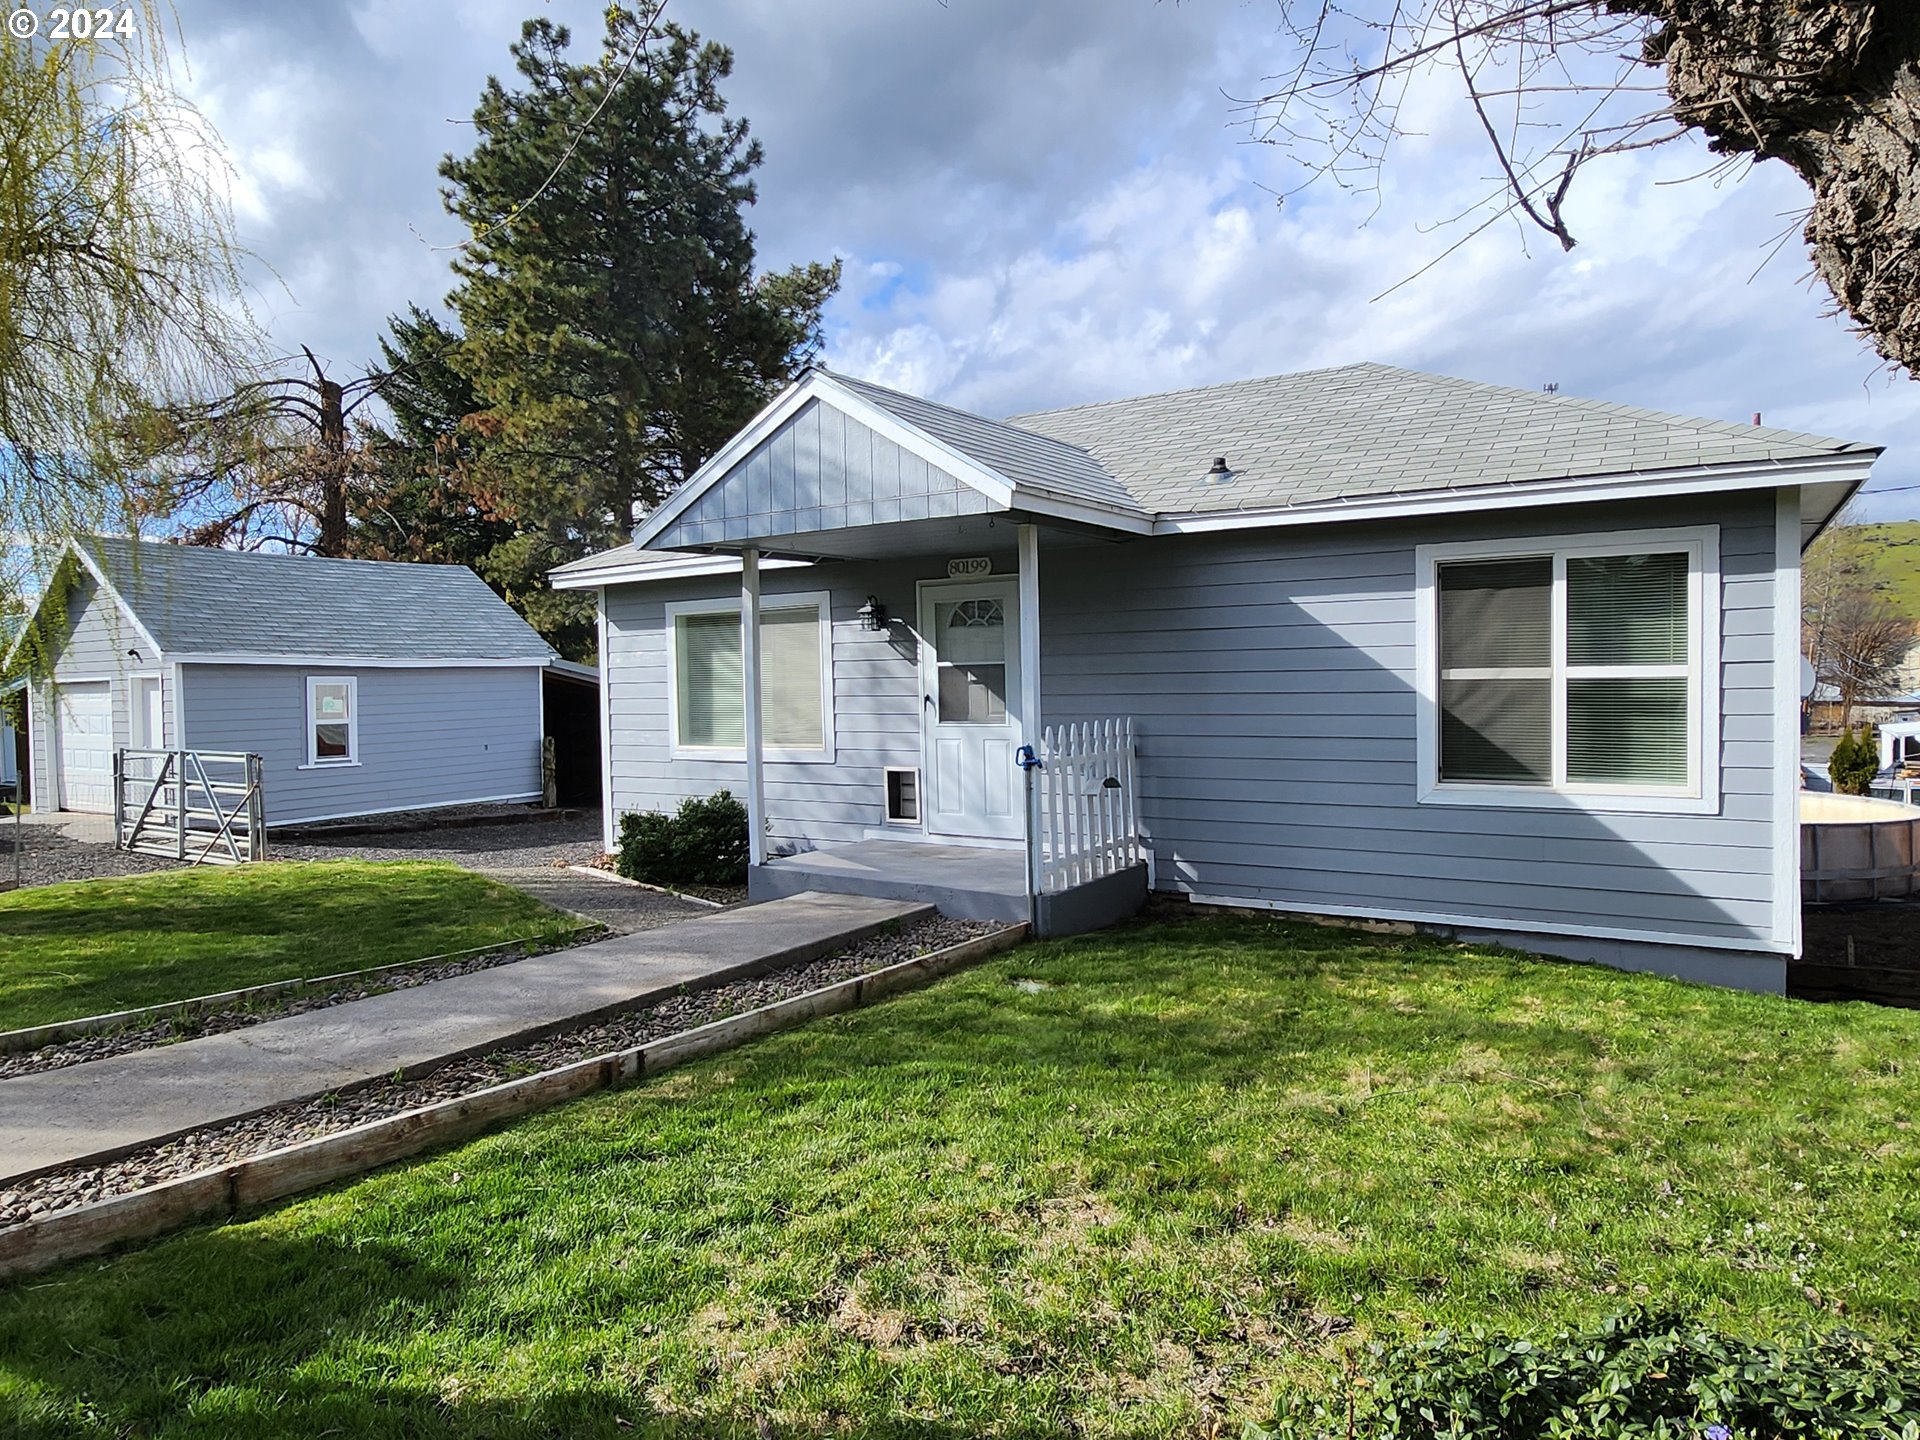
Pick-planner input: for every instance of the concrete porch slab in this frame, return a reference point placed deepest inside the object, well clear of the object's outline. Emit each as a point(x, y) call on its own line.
point(962, 881)
point(103, 1108)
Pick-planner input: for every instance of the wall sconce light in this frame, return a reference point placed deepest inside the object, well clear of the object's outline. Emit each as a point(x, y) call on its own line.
point(873, 615)
point(134, 653)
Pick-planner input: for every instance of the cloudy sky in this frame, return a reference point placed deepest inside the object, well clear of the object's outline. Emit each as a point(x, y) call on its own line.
point(1046, 203)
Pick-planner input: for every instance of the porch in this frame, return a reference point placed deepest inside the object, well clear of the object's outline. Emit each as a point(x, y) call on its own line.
point(906, 754)
point(1083, 866)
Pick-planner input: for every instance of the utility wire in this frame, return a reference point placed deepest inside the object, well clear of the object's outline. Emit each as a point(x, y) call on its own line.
point(626, 68)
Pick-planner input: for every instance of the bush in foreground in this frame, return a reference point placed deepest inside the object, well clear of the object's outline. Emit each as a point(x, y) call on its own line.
point(704, 842)
point(1637, 1376)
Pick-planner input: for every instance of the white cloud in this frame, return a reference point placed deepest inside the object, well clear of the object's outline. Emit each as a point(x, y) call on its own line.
point(1045, 204)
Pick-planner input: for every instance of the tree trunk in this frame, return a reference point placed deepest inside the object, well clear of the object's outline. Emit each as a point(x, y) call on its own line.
point(333, 474)
point(1832, 87)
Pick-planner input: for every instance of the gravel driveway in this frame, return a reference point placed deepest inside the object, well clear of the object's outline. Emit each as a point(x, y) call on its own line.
point(61, 846)
point(530, 856)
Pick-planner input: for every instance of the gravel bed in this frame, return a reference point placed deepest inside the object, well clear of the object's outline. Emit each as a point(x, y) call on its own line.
point(238, 1016)
point(48, 857)
point(289, 1124)
point(528, 845)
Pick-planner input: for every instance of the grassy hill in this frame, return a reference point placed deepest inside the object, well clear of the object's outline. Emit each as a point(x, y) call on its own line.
point(1893, 555)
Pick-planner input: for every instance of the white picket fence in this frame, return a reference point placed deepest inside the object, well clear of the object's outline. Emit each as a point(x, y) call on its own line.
point(1088, 820)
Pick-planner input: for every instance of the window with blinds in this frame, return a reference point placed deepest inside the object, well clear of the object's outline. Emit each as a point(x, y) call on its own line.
point(710, 686)
point(1568, 670)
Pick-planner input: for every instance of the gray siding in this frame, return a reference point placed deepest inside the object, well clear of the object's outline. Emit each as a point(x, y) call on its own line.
point(1271, 677)
point(438, 736)
point(821, 471)
point(876, 705)
point(95, 647)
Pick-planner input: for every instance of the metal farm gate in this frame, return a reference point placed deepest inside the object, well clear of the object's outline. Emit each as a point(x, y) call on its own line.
point(195, 805)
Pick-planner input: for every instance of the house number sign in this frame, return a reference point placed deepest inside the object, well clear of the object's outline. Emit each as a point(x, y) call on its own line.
point(968, 568)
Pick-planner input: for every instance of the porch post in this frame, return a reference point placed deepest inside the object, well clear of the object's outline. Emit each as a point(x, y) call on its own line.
point(1029, 535)
point(750, 683)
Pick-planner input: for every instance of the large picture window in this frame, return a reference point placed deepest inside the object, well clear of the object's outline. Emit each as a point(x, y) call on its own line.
point(709, 690)
point(1555, 669)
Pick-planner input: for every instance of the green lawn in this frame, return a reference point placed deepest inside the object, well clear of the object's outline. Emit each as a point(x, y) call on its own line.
point(1124, 1185)
point(99, 945)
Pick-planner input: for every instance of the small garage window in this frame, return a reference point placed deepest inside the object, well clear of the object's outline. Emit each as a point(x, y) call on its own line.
point(333, 720)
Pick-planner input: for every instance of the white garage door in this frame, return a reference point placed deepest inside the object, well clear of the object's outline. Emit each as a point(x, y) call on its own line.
point(86, 746)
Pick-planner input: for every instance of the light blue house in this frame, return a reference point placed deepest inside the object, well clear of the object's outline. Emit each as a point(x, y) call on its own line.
point(367, 687)
point(1360, 642)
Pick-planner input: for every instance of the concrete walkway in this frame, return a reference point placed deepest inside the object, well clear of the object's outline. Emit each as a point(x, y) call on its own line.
point(107, 1107)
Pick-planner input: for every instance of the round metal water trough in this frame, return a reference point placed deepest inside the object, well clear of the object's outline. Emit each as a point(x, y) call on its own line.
point(1856, 848)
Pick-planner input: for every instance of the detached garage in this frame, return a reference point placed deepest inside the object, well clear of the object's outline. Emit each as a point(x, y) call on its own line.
point(365, 686)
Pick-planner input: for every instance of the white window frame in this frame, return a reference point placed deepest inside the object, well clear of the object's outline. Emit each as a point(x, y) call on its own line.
point(1701, 794)
point(822, 602)
point(136, 713)
point(316, 761)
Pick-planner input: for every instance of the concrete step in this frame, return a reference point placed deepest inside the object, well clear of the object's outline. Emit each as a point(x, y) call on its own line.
point(961, 882)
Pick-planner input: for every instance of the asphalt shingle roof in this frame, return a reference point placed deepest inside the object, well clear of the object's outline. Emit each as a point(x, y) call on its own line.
point(1032, 461)
point(196, 601)
point(1371, 430)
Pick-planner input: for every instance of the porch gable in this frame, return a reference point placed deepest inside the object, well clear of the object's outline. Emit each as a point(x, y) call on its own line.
point(822, 468)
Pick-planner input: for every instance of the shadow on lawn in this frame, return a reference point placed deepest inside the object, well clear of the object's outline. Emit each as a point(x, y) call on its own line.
point(1119, 1064)
point(226, 1333)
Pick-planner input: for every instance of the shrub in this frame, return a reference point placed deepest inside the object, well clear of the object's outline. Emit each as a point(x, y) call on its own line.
point(1856, 760)
point(704, 842)
point(1636, 1376)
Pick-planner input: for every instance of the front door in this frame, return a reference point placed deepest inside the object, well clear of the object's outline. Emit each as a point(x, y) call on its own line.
point(970, 684)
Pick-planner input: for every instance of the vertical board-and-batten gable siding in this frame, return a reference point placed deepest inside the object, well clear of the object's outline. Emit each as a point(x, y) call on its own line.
point(821, 470)
point(94, 647)
point(427, 736)
point(876, 704)
point(1271, 676)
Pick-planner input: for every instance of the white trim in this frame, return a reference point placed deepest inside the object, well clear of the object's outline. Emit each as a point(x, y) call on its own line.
point(360, 662)
point(638, 572)
point(1622, 485)
point(1847, 468)
point(134, 710)
point(56, 749)
point(1030, 723)
point(1008, 586)
point(822, 602)
point(608, 812)
point(278, 824)
point(352, 758)
point(1786, 731)
point(1701, 794)
point(815, 385)
point(1501, 925)
point(73, 547)
point(750, 697)
point(177, 703)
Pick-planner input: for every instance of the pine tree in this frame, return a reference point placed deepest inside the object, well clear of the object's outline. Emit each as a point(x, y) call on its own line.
point(616, 333)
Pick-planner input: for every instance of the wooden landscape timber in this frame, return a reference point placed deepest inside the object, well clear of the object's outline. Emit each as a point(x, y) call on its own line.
point(259, 1180)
